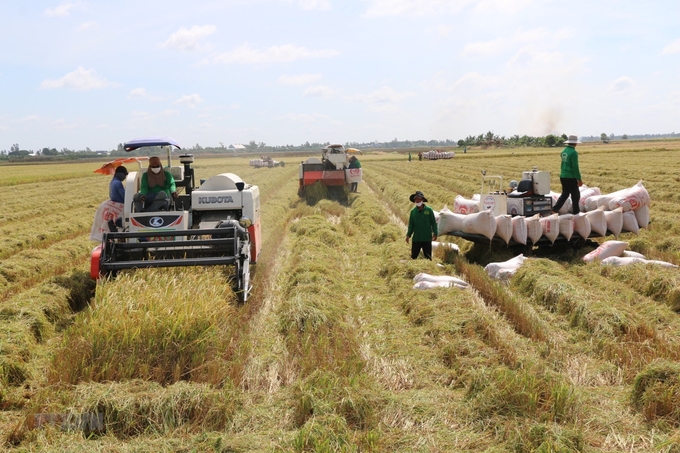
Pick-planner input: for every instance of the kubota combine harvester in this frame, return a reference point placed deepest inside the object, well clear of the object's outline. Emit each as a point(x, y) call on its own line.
point(217, 223)
point(331, 170)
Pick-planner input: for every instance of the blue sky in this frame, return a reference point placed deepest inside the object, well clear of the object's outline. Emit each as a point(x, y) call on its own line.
point(81, 73)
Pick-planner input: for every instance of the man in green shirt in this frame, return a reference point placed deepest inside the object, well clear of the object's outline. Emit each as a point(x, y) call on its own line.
point(570, 176)
point(422, 226)
point(157, 188)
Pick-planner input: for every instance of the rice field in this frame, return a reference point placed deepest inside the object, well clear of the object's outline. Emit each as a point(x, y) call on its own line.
point(335, 350)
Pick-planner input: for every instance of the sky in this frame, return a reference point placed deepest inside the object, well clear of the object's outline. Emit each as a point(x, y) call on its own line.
point(79, 73)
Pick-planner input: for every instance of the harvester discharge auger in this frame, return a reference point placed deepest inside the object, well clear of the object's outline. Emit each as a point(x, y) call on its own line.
point(217, 223)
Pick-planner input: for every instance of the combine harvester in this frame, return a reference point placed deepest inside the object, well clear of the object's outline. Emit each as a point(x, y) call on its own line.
point(522, 215)
point(331, 171)
point(217, 223)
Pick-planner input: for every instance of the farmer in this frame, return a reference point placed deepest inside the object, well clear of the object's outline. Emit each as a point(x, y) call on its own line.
point(157, 187)
point(116, 188)
point(354, 163)
point(409, 156)
point(117, 195)
point(422, 226)
point(570, 176)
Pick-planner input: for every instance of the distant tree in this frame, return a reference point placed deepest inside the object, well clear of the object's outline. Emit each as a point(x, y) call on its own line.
point(624, 137)
point(14, 147)
point(461, 142)
point(603, 137)
point(551, 140)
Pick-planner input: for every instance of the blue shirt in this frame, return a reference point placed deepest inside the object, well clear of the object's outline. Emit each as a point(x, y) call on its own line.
point(116, 190)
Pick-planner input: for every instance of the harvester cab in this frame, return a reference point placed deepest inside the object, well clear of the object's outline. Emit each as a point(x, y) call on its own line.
point(331, 170)
point(217, 223)
point(531, 195)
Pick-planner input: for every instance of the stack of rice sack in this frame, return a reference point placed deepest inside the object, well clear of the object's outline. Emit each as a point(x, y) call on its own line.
point(435, 155)
point(626, 210)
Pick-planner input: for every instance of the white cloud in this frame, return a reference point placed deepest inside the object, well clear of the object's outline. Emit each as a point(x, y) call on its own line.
point(62, 10)
point(414, 7)
point(485, 48)
point(80, 80)
point(28, 119)
point(673, 47)
point(623, 83)
point(300, 79)
point(304, 117)
point(87, 25)
point(537, 37)
point(190, 100)
point(501, 6)
point(381, 100)
point(320, 5)
point(147, 116)
point(141, 93)
point(188, 39)
point(475, 80)
point(245, 54)
point(321, 91)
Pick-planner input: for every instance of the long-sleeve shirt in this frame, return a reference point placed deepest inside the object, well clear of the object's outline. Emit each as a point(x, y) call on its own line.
point(116, 190)
point(169, 187)
point(422, 224)
point(569, 167)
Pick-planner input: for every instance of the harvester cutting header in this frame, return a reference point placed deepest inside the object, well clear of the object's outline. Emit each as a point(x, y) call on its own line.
point(334, 169)
point(216, 223)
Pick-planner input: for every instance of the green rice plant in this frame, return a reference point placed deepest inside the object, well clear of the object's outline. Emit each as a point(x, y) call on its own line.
point(662, 285)
point(325, 433)
point(548, 438)
point(656, 392)
point(521, 315)
point(532, 392)
point(150, 325)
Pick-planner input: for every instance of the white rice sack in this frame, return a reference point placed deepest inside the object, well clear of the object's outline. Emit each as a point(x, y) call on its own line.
point(431, 285)
point(483, 223)
point(624, 261)
point(504, 269)
point(448, 221)
point(566, 223)
point(614, 221)
point(621, 260)
point(629, 222)
point(598, 222)
point(504, 227)
point(423, 277)
point(566, 207)
point(661, 263)
point(476, 197)
point(582, 225)
point(446, 245)
point(436, 215)
point(534, 228)
point(642, 216)
point(519, 229)
point(464, 206)
point(631, 199)
point(632, 254)
point(591, 203)
point(607, 249)
point(551, 227)
point(586, 192)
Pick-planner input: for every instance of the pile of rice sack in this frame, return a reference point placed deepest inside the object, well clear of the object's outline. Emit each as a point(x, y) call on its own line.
point(435, 155)
point(626, 210)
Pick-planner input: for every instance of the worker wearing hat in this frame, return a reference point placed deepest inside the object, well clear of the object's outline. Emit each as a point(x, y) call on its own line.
point(570, 176)
point(157, 187)
point(116, 189)
point(422, 226)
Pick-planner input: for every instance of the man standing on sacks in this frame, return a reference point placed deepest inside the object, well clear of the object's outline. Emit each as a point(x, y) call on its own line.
point(570, 176)
point(422, 226)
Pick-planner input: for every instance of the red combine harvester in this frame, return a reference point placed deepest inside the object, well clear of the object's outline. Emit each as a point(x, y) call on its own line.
point(331, 170)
